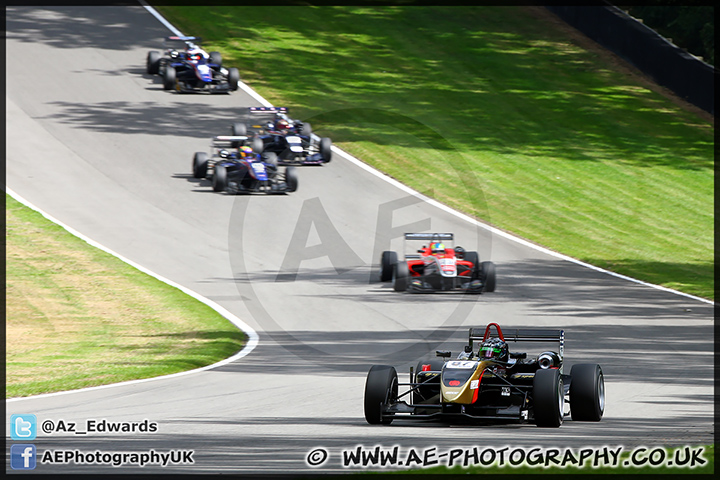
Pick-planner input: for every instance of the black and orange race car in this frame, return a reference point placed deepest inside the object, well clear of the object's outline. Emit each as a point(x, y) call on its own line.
point(437, 267)
point(490, 383)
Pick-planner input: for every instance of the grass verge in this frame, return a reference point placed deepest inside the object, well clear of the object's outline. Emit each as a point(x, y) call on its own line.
point(79, 317)
point(499, 113)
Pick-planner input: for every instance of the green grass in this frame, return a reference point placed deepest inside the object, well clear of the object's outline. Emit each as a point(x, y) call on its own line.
point(79, 317)
point(495, 112)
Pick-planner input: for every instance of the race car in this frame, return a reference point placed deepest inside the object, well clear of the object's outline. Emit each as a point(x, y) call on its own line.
point(490, 383)
point(185, 67)
point(241, 170)
point(437, 267)
point(291, 140)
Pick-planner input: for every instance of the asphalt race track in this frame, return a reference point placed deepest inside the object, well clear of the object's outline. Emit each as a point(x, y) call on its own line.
point(98, 144)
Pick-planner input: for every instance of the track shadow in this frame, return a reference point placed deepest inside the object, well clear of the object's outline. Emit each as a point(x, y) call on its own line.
point(626, 353)
point(71, 27)
point(147, 118)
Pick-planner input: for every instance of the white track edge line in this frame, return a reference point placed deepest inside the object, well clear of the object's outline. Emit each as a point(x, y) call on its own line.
point(177, 32)
point(160, 18)
point(444, 207)
point(503, 233)
point(253, 338)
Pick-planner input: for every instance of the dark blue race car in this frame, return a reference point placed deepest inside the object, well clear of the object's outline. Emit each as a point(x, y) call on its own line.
point(271, 130)
point(185, 67)
point(241, 170)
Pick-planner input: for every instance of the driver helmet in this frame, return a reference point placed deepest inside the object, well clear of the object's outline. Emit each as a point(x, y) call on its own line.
point(494, 349)
point(194, 53)
point(437, 247)
point(282, 125)
point(246, 152)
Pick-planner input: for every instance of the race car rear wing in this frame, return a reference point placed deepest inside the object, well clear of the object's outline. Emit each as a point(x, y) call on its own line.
point(520, 335)
point(266, 114)
point(428, 236)
point(183, 38)
point(442, 237)
point(257, 110)
point(228, 141)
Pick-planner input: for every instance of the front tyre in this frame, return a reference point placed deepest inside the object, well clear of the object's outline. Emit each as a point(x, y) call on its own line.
point(306, 129)
point(381, 388)
point(291, 179)
point(153, 62)
point(233, 78)
point(219, 181)
point(401, 274)
point(549, 398)
point(200, 164)
point(387, 263)
point(488, 276)
point(587, 392)
point(326, 149)
point(170, 78)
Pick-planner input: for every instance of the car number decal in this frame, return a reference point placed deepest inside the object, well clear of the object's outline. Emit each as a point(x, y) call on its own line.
point(460, 364)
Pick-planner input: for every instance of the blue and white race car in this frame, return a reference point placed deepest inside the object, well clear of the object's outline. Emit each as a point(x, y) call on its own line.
point(239, 170)
point(185, 67)
point(272, 130)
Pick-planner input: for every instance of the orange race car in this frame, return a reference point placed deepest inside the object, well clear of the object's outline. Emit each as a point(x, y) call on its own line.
point(437, 267)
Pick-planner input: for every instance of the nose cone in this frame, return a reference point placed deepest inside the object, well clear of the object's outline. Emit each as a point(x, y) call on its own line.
point(460, 381)
point(204, 72)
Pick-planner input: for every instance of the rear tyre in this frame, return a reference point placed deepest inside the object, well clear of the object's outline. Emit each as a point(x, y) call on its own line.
point(271, 158)
point(216, 58)
point(170, 78)
point(200, 164)
point(306, 129)
point(488, 276)
point(257, 145)
point(473, 257)
point(325, 149)
point(291, 178)
point(381, 388)
point(400, 276)
point(219, 181)
point(587, 392)
point(387, 262)
point(549, 398)
point(233, 78)
point(239, 129)
point(153, 62)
